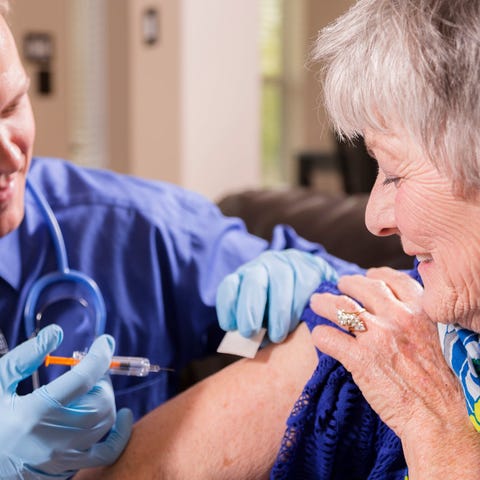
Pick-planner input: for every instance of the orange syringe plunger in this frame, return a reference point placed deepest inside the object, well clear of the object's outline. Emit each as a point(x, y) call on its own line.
point(52, 360)
point(136, 366)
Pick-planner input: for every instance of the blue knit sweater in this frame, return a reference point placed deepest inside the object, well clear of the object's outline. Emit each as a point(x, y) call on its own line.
point(332, 432)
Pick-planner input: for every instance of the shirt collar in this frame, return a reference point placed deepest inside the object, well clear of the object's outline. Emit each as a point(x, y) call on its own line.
point(11, 263)
point(12, 247)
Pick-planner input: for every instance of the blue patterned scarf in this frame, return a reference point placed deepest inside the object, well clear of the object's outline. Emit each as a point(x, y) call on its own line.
point(461, 348)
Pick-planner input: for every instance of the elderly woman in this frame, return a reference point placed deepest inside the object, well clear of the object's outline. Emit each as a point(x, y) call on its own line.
point(405, 75)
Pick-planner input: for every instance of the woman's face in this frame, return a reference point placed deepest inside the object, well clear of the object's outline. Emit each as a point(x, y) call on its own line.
point(412, 199)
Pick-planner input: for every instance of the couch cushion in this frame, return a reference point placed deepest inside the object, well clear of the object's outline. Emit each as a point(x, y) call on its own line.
point(337, 222)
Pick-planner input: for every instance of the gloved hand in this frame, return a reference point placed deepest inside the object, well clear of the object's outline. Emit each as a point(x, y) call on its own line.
point(276, 283)
point(56, 430)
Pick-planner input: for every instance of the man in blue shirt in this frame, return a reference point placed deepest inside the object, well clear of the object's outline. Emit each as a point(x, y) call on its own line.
point(158, 254)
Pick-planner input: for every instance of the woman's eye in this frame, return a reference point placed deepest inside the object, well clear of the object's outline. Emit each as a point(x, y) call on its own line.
point(391, 180)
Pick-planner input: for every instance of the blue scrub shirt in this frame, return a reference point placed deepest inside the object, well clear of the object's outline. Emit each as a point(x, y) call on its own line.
point(157, 252)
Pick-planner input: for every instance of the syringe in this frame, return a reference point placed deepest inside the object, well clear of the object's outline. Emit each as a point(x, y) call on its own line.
point(136, 366)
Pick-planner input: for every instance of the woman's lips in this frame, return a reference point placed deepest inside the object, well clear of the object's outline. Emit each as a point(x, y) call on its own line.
point(424, 262)
point(424, 258)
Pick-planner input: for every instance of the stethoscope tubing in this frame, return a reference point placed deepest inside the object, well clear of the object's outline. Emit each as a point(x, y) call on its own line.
point(53, 227)
point(61, 275)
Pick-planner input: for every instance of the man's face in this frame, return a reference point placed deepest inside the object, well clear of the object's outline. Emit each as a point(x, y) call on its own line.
point(17, 132)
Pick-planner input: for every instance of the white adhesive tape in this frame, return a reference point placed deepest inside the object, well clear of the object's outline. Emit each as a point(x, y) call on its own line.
point(235, 344)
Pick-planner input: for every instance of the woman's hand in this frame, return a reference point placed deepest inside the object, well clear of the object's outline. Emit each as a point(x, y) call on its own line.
point(398, 364)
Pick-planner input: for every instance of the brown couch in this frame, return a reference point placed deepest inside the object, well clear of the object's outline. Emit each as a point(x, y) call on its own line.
point(335, 221)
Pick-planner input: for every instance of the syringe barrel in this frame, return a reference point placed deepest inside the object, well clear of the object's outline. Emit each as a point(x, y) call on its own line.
point(137, 366)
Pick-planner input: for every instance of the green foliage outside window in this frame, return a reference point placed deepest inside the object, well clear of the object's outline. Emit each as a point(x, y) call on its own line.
point(271, 37)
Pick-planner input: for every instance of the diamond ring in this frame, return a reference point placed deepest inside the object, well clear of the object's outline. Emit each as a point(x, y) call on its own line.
point(351, 320)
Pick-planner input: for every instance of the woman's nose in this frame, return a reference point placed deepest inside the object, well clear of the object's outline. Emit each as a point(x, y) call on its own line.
point(380, 212)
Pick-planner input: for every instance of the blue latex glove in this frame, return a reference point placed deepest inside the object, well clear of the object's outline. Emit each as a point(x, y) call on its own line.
point(278, 283)
point(56, 430)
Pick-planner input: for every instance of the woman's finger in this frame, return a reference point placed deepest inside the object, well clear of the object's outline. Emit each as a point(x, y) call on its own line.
point(373, 293)
point(342, 310)
point(326, 304)
point(404, 287)
point(336, 344)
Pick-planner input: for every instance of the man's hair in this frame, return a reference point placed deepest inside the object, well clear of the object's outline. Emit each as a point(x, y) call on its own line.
point(411, 65)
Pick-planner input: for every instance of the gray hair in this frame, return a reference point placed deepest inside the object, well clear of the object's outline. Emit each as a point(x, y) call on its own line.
point(413, 64)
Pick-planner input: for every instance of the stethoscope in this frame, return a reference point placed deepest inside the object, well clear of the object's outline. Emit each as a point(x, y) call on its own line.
point(63, 274)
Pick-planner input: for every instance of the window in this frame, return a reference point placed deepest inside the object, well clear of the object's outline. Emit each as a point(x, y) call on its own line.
point(272, 91)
